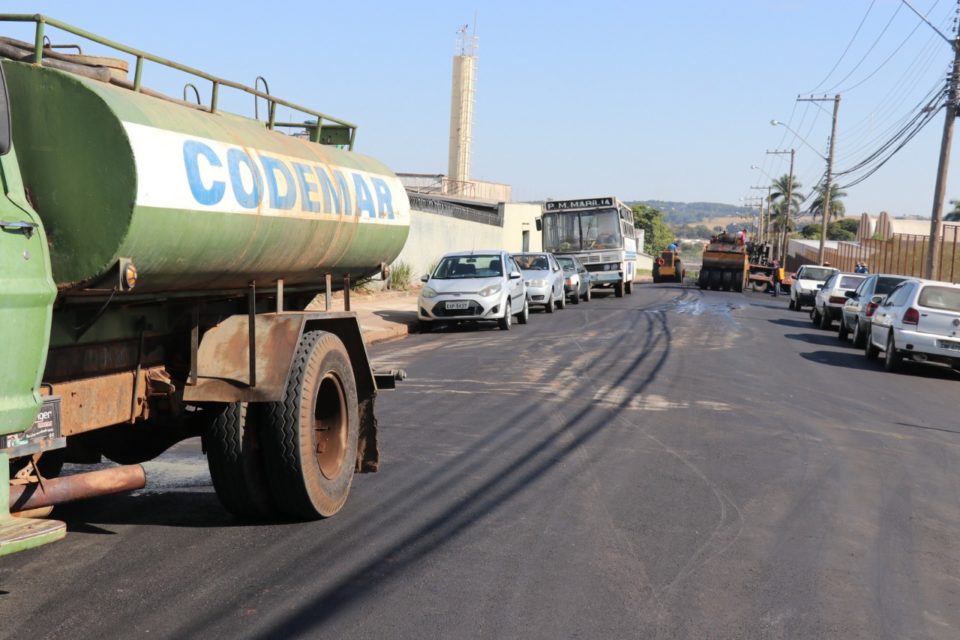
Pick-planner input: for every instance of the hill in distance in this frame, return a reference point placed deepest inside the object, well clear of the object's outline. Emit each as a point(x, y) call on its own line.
point(679, 213)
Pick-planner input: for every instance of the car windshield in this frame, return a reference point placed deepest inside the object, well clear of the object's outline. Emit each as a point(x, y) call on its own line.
point(477, 266)
point(886, 285)
point(567, 263)
point(532, 262)
point(850, 282)
point(935, 297)
point(816, 273)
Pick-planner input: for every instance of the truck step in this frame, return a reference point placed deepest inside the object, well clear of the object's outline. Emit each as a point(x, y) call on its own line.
point(17, 534)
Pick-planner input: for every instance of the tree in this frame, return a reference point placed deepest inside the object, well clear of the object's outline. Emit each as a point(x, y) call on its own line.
point(953, 216)
point(657, 235)
point(837, 230)
point(782, 216)
point(837, 208)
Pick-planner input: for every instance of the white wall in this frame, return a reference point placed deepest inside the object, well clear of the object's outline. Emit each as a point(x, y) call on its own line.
point(432, 235)
point(517, 218)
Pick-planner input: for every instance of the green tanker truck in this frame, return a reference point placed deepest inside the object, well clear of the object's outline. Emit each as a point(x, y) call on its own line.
point(157, 258)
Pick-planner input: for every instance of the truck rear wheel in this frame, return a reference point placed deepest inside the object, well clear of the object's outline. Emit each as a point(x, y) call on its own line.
point(727, 281)
point(235, 459)
point(629, 287)
point(310, 436)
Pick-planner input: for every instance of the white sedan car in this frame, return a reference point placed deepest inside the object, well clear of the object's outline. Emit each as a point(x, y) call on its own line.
point(919, 320)
point(473, 286)
point(544, 278)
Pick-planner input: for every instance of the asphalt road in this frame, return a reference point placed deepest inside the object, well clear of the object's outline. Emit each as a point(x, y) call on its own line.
point(672, 464)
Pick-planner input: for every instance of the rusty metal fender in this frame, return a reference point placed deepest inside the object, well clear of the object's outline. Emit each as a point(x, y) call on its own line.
point(223, 358)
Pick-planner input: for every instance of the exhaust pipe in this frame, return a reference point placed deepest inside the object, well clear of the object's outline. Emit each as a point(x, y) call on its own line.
point(79, 487)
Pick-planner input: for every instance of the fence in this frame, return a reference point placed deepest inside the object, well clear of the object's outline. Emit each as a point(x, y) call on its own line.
point(903, 254)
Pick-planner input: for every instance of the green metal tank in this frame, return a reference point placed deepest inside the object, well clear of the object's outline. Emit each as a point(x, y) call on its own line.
point(198, 201)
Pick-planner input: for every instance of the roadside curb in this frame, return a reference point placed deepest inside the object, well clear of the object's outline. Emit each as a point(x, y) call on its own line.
point(381, 335)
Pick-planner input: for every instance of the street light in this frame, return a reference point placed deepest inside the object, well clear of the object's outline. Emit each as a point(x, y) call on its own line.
point(777, 123)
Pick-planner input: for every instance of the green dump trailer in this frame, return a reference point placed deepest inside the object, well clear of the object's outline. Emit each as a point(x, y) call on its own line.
point(156, 262)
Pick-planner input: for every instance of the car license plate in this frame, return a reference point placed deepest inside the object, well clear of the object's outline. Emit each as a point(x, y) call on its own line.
point(458, 304)
point(946, 344)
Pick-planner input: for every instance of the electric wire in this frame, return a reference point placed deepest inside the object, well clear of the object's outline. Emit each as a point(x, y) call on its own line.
point(867, 54)
point(846, 49)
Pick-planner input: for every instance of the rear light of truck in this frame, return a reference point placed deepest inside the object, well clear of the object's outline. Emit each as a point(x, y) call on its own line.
point(911, 316)
point(871, 307)
point(837, 299)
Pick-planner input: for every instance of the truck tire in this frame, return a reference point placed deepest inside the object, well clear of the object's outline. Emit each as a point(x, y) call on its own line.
point(726, 282)
point(628, 288)
point(702, 278)
point(679, 276)
point(738, 285)
point(310, 436)
point(618, 289)
point(235, 460)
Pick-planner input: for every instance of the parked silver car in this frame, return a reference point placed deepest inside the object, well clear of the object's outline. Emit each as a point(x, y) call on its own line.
point(858, 310)
point(920, 321)
point(473, 286)
point(830, 298)
point(543, 278)
point(576, 279)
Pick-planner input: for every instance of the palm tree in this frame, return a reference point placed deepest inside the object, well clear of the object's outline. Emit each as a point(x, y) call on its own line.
point(837, 209)
point(781, 218)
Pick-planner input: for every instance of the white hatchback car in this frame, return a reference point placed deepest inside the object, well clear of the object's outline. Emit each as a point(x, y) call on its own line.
point(473, 286)
point(806, 282)
point(919, 320)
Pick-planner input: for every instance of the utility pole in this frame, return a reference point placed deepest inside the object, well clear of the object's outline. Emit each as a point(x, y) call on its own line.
point(940, 191)
point(782, 234)
point(762, 228)
point(825, 218)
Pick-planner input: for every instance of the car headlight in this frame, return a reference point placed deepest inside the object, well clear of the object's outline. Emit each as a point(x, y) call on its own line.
point(428, 292)
point(537, 283)
point(490, 290)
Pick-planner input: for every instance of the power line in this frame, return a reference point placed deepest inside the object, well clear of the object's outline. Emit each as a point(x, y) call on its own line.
point(846, 49)
point(867, 54)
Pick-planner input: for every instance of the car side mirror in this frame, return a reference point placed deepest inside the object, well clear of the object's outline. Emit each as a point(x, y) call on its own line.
point(876, 299)
point(851, 295)
point(819, 286)
point(515, 275)
point(425, 277)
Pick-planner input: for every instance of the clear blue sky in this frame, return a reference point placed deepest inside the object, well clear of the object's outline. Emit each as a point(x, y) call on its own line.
point(643, 100)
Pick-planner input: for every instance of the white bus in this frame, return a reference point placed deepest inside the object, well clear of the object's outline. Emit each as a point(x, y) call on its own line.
point(599, 231)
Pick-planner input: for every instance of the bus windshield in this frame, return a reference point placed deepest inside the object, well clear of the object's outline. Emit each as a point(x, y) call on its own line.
point(582, 230)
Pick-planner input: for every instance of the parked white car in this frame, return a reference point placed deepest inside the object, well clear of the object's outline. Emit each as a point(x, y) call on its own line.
point(807, 280)
point(472, 286)
point(919, 320)
point(830, 298)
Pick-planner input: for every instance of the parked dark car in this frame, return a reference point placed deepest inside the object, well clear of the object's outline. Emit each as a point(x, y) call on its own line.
point(857, 312)
point(576, 279)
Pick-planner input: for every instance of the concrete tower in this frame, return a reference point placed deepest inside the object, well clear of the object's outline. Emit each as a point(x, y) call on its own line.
point(461, 109)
